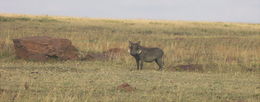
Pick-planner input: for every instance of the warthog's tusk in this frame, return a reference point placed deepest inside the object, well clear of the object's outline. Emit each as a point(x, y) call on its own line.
point(128, 50)
point(139, 51)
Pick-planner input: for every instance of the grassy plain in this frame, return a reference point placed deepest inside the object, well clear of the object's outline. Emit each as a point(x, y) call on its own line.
point(227, 55)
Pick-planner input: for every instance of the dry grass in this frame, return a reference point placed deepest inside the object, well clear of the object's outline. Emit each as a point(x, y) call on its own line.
point(227, 54)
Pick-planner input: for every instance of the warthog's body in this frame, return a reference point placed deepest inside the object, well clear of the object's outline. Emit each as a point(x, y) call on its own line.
point(143, 54)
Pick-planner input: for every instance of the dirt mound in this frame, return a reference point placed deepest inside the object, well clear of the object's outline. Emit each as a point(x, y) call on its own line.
point(126, 87)
point(42, 48)
point(188, 67)
point(106, 55)
point(94, 56)
point(113, 52)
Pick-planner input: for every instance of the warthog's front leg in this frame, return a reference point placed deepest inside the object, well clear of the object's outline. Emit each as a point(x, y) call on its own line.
point(142, 62)
point(137, 63)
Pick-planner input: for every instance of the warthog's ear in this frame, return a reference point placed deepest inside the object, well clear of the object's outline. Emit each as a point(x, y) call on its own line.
point(138, 42)
point(139, 51)
point(130, 42)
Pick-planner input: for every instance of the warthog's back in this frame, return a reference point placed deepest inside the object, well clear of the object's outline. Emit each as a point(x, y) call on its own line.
point(150, 54)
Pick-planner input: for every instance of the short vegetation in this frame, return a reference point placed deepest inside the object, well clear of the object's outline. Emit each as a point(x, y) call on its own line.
point(204, 61)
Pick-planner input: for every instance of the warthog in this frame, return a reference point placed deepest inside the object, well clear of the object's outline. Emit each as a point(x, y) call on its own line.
point(143, 54)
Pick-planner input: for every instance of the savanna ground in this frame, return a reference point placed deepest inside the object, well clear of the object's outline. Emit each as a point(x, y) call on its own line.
point(225, 56)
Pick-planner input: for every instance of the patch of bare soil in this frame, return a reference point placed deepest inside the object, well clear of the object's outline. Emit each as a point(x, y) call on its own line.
point(126, 87)
point(187, 67)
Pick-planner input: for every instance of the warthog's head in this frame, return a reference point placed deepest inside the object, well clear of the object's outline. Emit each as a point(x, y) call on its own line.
point(134, 48)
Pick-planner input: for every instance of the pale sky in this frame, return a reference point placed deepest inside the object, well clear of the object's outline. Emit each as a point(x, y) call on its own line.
point(247, 11)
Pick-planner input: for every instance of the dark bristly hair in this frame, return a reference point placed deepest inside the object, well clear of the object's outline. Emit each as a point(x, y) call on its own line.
point(144, 54)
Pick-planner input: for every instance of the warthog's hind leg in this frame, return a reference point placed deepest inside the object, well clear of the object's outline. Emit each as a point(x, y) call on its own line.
point(160, 63)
